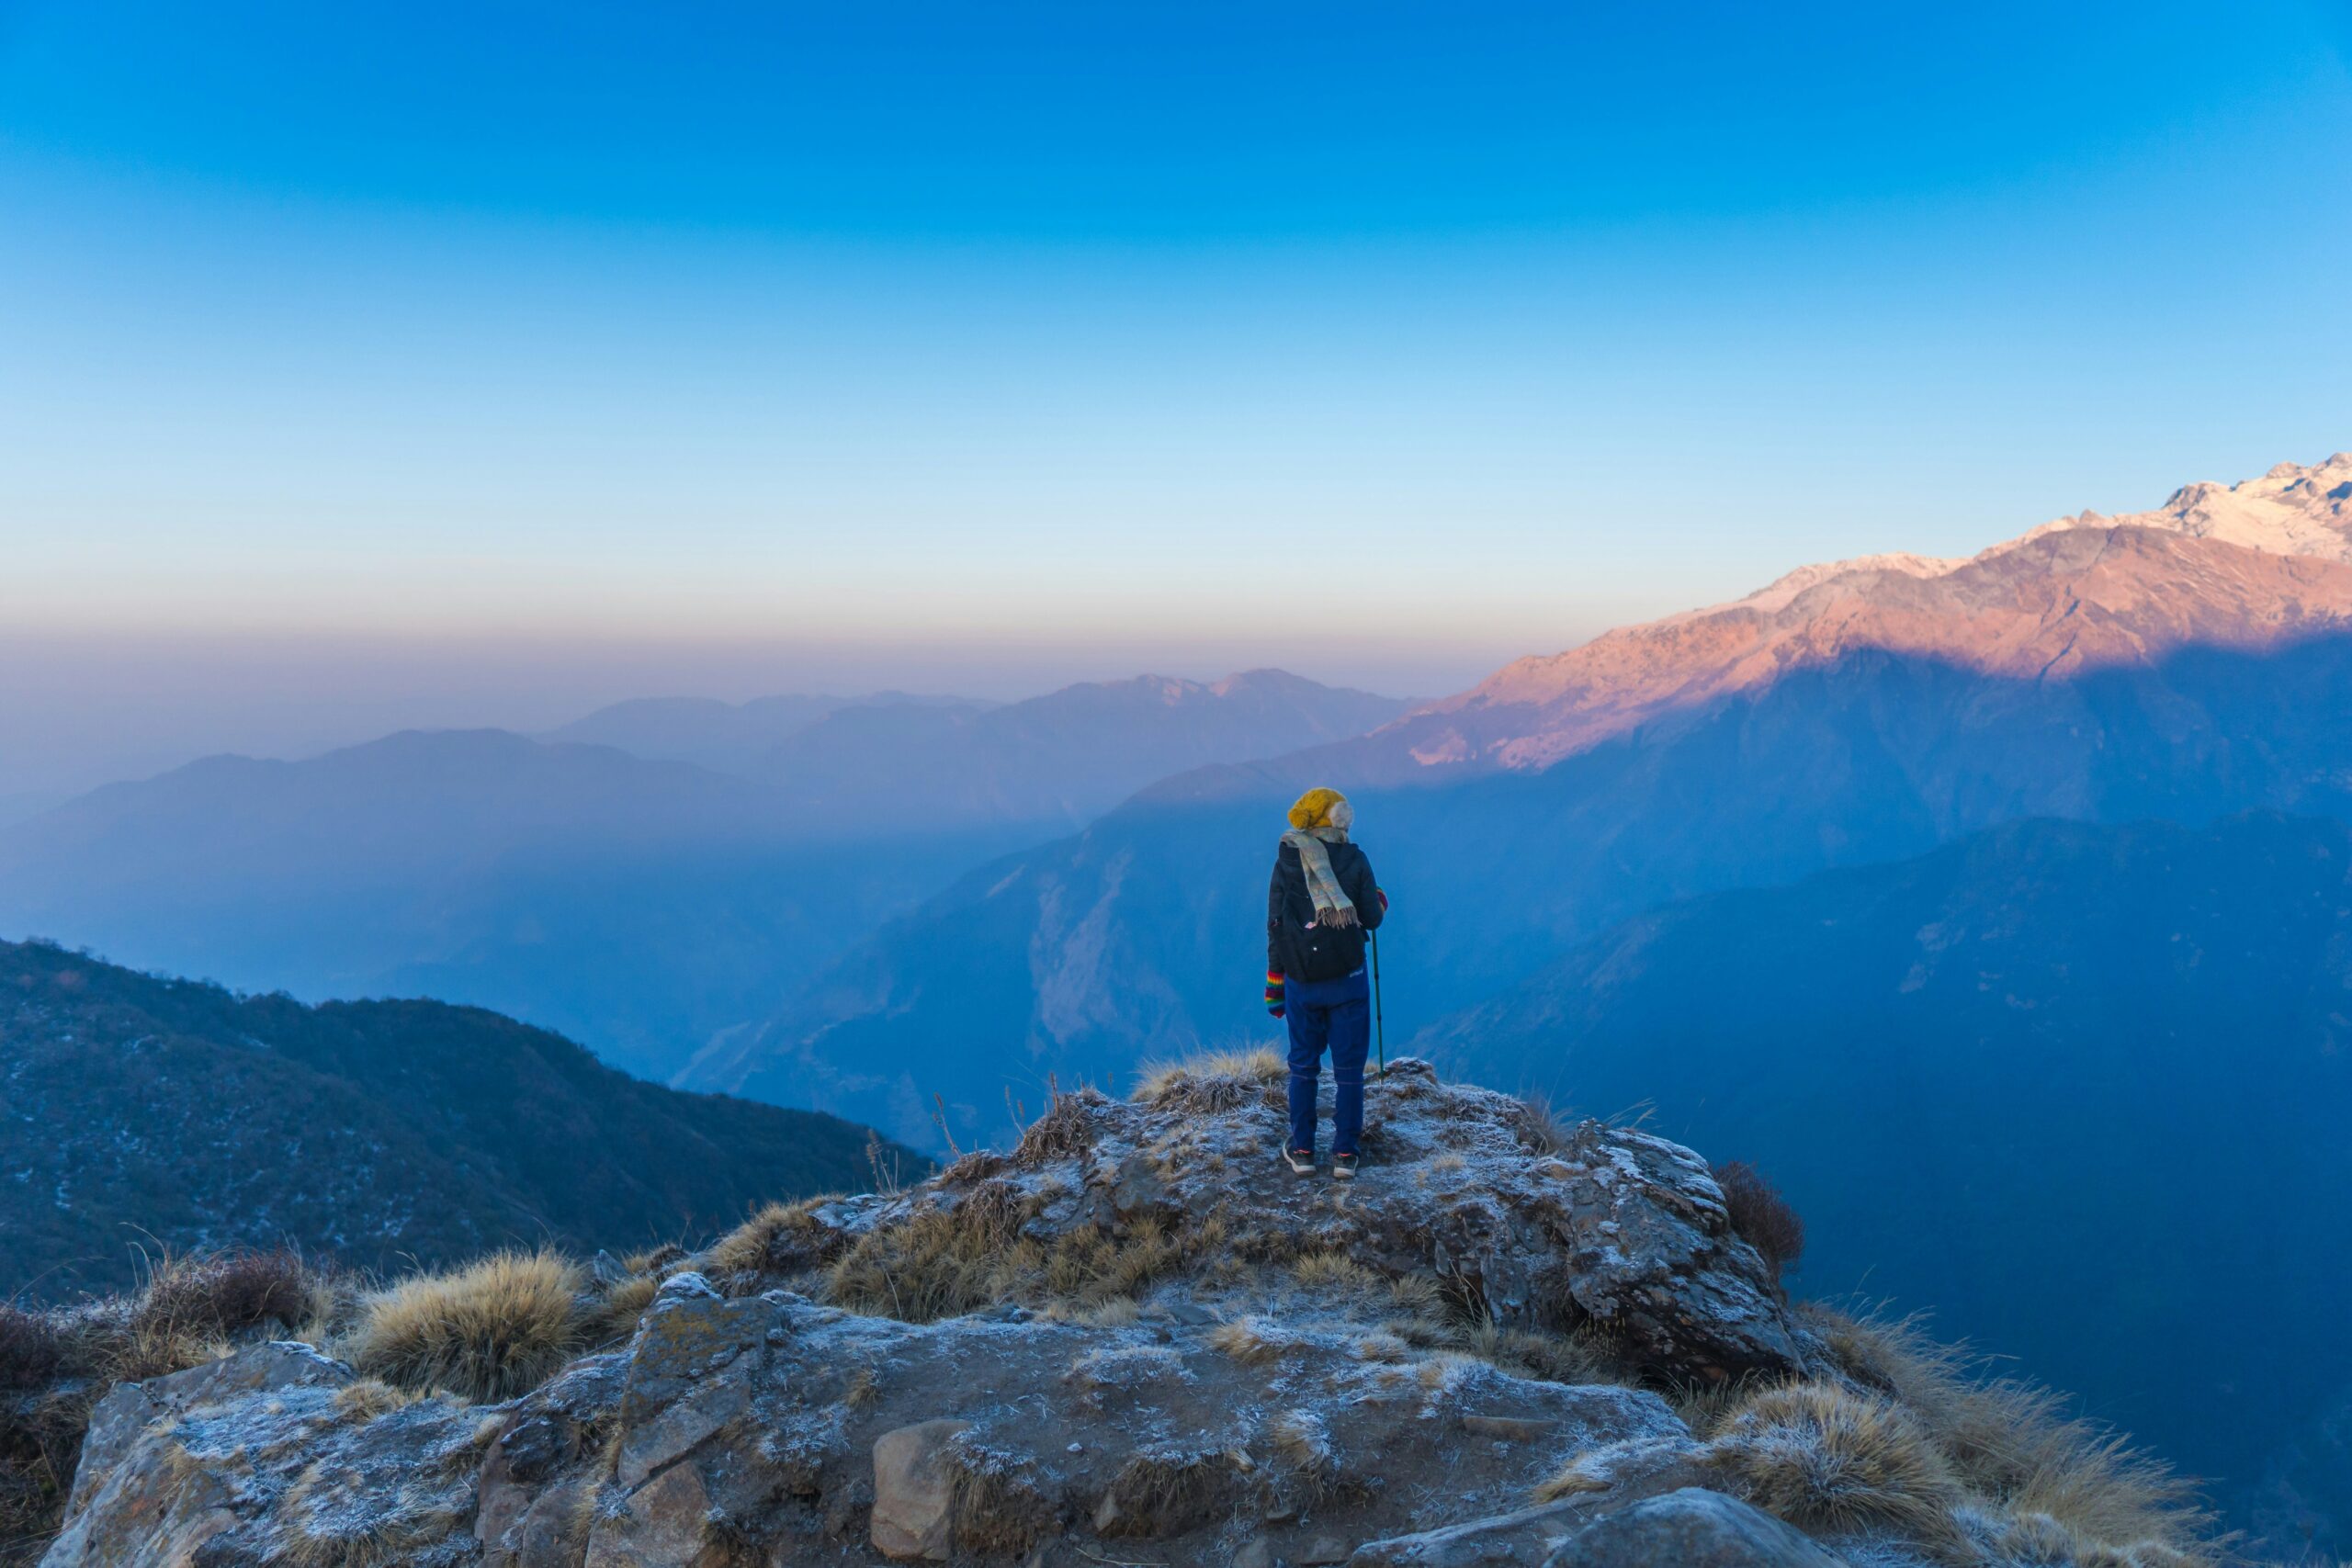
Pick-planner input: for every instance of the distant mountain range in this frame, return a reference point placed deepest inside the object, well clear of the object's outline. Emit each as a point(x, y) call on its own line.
point(639, 902)
point(2105, 671)
point(726, 737)
point(145, 1113)
point(895, 763)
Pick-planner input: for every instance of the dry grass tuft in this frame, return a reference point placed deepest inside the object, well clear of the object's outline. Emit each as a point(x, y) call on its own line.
point(1302, 1445)
point(2012, 1443)
point(862, 1392)
point(1540, 1126)
point(655, 1260)
point(1546, 1358)
point(1418, 1296)
point(224, 1293)
point(1098, 1267)
point(782, 1238)
point(941, 1262)
point(1335, 1269)
point(1823, 1457)
point(1573, 1479)
point(1064, 1131)
point(1214, 1081)
point(1760, 1216)
point(489, 1331)
point(362, 1402)
point(999, 1508)
point(978, 1166)
point(623, 1307)
point(1253, 1341)
point(1164, 1492)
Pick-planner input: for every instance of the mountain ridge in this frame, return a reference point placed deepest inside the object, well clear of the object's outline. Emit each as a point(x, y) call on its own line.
point(643, 904)
point(180, 1116)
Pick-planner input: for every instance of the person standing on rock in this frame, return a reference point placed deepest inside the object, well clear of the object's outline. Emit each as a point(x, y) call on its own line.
point(1319, 911)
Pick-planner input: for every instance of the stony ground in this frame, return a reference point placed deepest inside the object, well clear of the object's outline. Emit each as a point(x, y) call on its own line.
point(1135, 1340)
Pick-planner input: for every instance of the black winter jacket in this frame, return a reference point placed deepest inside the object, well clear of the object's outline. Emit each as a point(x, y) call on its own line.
point(1318, 955)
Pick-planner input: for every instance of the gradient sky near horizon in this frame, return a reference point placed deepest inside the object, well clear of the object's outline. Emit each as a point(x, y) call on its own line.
point(984, 346)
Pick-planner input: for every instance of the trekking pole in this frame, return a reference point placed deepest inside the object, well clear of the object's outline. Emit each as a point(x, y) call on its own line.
point(1379, 1031)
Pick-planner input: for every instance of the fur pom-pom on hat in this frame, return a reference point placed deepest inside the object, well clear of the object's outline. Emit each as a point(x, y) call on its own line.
point(1321, 808)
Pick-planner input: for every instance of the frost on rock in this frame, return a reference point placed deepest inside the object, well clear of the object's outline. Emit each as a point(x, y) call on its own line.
point(1135, 1338)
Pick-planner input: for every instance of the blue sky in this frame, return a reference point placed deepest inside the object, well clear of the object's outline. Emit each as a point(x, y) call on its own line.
point(1037, 341)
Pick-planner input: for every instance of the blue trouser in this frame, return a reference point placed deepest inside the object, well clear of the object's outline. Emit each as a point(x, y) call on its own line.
point(1338, 1014)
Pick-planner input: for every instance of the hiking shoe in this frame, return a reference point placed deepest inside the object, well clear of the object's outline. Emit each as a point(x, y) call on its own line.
point(1301, 1160)
point(1343, 1166)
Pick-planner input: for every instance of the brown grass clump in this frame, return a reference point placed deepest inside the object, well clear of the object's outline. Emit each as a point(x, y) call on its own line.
point(1823, 1457)
point(39, 1448)
point(1302, 1444)
point(999, 1509)
point(782, 1238)
point(1253, 1341)
point(1760, 1216)
point(978, 1166)
point(229, 1293)
point(491, 1330)
point(1540, 1126)
point(622, 1308)
point(1097, 1266)
point(941, 1261)
point(657, 1260)
point(1214, 1081)
point(1546, 1358)
point(1418, 1296)
point(364, 1401)
point(1572, 1481)
point(1066, 1129)
point(1164, 1492)
point(1335, 1269)
point(2012, 1443)
point(862, 1392)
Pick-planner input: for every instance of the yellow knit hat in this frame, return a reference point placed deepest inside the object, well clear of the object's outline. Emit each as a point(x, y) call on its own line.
point(1314, 810)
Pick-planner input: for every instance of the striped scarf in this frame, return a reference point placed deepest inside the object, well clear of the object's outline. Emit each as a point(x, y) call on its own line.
point(1332, 905)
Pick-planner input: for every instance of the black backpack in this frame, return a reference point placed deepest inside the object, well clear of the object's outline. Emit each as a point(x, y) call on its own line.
point(1327, 953)
point(1316, 952)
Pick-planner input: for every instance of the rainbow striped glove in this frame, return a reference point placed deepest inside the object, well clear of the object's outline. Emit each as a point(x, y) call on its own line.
point(1274, 992)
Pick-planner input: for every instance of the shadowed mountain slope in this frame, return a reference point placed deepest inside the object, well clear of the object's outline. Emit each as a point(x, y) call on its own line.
point(2080, 1090)
point(142, 1112)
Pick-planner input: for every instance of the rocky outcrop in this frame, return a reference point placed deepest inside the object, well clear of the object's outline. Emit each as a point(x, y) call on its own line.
point(1144, 1330)
point(1136, 1340)
point(275, 1454)
point(1605, 1231)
